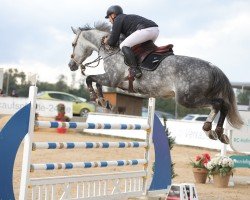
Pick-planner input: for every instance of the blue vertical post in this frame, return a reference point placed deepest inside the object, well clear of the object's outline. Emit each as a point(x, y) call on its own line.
point(162, 169)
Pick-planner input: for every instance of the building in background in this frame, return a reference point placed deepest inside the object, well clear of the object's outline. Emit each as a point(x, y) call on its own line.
point(124, 103)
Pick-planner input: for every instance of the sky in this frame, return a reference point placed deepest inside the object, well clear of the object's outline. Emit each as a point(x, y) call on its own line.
point(36, 36)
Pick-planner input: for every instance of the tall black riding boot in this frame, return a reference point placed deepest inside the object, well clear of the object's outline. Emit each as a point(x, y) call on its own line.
point(130, 60)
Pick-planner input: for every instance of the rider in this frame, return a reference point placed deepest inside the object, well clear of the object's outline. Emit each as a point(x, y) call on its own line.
point(135, 28)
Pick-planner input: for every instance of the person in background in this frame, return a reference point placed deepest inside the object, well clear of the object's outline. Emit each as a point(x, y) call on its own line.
point(14, 93)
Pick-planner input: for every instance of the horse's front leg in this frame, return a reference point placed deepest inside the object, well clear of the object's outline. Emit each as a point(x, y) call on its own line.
point(99, 90)
point(101, 101)
point(97, 97)
point(93, 95)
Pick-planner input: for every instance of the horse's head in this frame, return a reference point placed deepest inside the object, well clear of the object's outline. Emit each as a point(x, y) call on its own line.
point(86, 41)
point(82, 49)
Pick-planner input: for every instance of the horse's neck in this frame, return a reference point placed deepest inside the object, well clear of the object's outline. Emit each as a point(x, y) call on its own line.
point(96, 37)
point(110, 58)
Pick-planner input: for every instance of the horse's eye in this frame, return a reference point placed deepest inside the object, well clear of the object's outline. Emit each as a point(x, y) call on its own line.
point(73, 44)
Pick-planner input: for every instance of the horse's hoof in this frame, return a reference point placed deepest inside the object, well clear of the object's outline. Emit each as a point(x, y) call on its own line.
point(207, 126)
point(224, 139)
point(211, 134)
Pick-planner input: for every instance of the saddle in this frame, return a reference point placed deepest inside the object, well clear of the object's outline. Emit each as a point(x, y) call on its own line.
point(149, 56)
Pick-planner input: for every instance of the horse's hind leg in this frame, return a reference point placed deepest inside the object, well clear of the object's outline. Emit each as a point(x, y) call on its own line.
point(219, 128)
point(187, 100)
point(207, 127)
point(217, 105)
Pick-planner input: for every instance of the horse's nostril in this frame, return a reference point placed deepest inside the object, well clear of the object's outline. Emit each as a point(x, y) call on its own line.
point(72, 56)
point(72, 65)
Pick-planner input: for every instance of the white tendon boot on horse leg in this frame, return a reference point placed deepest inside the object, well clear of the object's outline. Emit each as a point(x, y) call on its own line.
point(207, 127)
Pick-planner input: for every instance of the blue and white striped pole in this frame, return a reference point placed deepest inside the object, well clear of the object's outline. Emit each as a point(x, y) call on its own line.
point(85, 125)
point(86, 145)
point(93, 164)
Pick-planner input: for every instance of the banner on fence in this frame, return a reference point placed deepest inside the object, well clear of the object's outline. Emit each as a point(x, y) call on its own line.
point(45, 108)
point(240, 138)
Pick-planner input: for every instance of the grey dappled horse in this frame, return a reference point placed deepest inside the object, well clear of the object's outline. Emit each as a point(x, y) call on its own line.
point(193, 82)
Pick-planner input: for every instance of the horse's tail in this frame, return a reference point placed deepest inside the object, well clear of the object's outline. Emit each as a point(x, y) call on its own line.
point(233, 116)
point(225, 90)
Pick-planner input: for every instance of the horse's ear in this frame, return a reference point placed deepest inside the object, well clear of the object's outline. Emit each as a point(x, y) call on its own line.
point(74, 30)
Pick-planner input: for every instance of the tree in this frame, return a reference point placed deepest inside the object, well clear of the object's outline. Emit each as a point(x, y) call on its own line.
point(61, 84)
point(43, 86)
point(11, 82)
point(73, 76)
point(243, 97)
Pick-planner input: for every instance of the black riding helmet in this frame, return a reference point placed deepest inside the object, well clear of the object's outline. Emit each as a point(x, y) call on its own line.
point(114, 9)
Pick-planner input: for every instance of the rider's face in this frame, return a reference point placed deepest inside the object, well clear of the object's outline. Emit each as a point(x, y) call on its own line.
point(112, 18)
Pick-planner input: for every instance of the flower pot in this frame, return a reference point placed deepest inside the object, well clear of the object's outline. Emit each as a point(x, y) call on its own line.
point(221, 181)
point(200, 175)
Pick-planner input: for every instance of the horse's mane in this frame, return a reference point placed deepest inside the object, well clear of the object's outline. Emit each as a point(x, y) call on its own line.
point(101, 26)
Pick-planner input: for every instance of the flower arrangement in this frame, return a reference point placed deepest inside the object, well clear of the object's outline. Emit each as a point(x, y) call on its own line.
point(201, 161)
point(221, 165)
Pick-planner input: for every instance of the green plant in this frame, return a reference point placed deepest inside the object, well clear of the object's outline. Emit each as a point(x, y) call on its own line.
point(201, 160)
point(220, 165)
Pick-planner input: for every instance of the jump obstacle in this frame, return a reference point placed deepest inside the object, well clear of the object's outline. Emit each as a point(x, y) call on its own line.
point(97, 186)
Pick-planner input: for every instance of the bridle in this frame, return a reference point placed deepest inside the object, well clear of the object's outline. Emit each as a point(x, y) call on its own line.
point(98, 59)
point(74, 45)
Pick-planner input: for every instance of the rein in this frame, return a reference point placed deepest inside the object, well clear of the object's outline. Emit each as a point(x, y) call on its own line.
point(98, 59)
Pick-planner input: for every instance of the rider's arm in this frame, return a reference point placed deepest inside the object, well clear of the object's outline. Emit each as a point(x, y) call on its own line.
point(116, 31)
